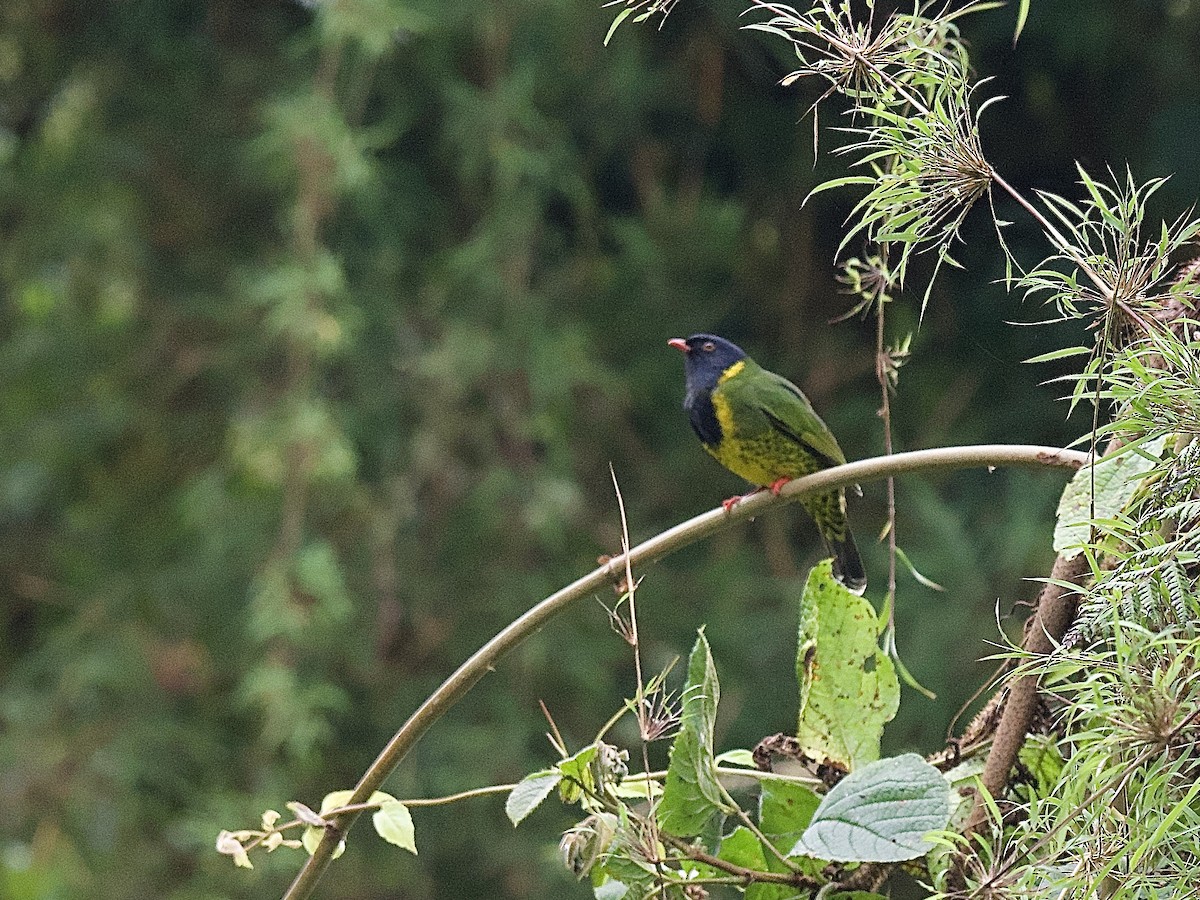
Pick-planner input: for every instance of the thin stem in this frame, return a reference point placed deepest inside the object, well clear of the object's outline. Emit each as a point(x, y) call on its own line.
point(850, 53)
point(749, 876)
point(461, 795)
point(1056, 237)
point(663, 544)
point(640, 695)
point(754, 829)
point(885, 413)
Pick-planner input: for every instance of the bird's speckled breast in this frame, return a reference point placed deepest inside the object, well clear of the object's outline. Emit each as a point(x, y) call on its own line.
point(750, 447)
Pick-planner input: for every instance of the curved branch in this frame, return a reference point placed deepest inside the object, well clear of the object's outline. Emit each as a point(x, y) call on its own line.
point(682, 535)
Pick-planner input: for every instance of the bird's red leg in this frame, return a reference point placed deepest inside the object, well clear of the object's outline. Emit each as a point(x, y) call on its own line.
point(733, 501)
point(777, 485)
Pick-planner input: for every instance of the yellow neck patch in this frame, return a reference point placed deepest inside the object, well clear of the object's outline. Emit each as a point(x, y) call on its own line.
point(732, 371)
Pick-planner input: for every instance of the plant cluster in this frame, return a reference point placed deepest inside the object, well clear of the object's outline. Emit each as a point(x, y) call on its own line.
point(1099, 797)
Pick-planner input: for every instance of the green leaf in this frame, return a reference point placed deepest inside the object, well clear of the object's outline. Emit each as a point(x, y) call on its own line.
point(692, 796)
point(393, 822)
point(742, 848)
point(834, 183)
point(312, 835)
point(1040, 756)
point(785, 810)
point(880, 813)
point(609, 888)
point(616, 23)
point(743, 758)
point(576, 775)
point(1116, 478)
point(637, 789)
point(848, 685)
point(1022, 15)
point(1061, 353)
point(529, 794)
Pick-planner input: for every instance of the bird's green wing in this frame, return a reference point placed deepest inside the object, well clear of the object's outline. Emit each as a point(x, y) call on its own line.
point(789, 412)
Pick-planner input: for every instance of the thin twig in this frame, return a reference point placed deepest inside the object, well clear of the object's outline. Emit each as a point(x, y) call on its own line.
point(640, 697)
point(885, 413)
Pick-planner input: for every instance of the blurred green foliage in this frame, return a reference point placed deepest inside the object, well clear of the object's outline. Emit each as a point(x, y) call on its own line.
point(321, 325)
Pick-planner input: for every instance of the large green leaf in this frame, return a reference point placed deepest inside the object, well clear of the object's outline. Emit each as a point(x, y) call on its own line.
point(1115, 477)
point(743, 848)
point(692, 796)
point(785, 809)
point(848, 686)
point(880, 813)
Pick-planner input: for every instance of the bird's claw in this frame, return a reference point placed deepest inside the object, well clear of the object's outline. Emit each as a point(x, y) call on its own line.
point(777, 485)
point(733, 501)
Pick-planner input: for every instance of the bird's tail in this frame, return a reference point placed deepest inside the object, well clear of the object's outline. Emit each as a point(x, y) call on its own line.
point(847, 564)
point(829, 512)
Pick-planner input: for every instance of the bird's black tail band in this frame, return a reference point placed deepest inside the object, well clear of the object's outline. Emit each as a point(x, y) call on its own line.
point(847, 564)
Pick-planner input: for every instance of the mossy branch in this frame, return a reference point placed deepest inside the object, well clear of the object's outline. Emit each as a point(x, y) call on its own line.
point(686, 533)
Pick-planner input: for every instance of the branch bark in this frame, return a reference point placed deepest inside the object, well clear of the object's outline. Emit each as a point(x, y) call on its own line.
point(1045, 628)
point(686, 533)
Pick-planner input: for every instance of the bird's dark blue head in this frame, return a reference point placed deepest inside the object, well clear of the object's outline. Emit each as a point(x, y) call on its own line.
point(705, 357)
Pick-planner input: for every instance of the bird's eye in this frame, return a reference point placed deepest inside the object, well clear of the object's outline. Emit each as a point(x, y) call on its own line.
point(709, 347)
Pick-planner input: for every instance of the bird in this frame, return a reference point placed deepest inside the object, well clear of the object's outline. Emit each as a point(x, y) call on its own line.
point(761, 427)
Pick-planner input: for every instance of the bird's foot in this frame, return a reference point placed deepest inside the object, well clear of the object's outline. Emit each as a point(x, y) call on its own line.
point(777, 485)
point(736, 499)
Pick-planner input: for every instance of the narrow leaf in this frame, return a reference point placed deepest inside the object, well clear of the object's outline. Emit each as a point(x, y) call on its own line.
point(616, 23)
point(1022, 15)
point(692, 795)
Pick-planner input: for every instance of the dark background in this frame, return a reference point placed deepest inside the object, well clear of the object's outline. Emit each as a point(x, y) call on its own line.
point(321, 325)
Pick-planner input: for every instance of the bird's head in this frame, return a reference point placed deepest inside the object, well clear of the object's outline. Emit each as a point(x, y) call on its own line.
point(705, 357)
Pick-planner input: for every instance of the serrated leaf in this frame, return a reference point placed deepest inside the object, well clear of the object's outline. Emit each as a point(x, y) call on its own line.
point(639, 789)
point(1116, 478)
point(576, 775)
point(334, 800)
point(393, 822)
point(692, 796)
point(880, 813)
point(848, 685)
point(529, 794)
